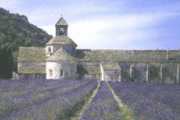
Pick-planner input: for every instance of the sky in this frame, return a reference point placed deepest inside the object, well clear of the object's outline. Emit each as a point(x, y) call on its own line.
point(107, 24)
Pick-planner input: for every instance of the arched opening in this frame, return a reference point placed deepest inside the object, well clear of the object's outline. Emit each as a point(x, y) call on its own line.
point(50, 72)
point(49, 49)
point(61, 72)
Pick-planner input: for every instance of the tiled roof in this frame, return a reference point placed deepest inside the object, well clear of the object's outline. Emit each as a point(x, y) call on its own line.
point(129, 55)
point(34, 68)
point(31, 60)
point(61, 55)
point(61, 40)
point(32, 54)
point(62, 21)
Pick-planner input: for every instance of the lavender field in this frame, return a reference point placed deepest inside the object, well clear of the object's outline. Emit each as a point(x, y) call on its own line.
point(103, 106)
point(42, 99)
point(74, 100)
point(150, 101)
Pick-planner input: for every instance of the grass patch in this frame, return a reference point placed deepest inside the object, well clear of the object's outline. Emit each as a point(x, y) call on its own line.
point(127, 114)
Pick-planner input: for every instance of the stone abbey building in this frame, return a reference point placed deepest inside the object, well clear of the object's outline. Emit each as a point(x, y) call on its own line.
point(60, 59)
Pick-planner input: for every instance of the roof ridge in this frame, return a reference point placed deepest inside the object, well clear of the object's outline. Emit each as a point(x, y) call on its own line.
point(61, 21)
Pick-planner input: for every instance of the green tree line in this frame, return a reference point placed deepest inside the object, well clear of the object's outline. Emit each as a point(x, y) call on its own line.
point(16, 31)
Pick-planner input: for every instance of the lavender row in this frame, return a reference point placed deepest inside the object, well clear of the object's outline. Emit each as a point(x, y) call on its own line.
point(10, 102)
point(58, 107)
point(20, 85)
point(103, 106)
point(150, 101)
point(32, 88)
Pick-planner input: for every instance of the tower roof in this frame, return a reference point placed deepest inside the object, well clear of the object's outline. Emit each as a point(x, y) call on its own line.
point(61, 40)
point(61, 55)
point(62, 21)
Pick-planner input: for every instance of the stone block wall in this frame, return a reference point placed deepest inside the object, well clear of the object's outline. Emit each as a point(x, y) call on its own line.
point(31, 67)
point(125, 72)
point(167, 73)
point(89, 70)
point(154, 73)
point(138, 72)
point(32, 76)
point(160, 73)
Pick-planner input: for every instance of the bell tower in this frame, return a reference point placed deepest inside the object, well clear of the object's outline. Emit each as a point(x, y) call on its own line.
point(61, 27)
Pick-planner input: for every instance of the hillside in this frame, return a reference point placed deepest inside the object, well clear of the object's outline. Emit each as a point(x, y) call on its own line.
point(15, 31)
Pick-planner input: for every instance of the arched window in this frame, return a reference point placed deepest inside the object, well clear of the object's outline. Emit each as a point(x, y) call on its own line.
point(50, 72)
point(49, 49)
point(61, 72)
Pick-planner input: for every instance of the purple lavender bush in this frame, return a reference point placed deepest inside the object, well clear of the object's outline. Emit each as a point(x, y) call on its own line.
point(103, 106)
point(37, 96)
point(150, 101)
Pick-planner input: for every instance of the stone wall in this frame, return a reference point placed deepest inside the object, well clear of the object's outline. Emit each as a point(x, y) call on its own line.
point(26, 67)
point(31, 76)
point(112, 75)
point(31, 70)
point(160, 73)
point(61, 70)
point(89, 70)
point(151, 72)
point(138, 73)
